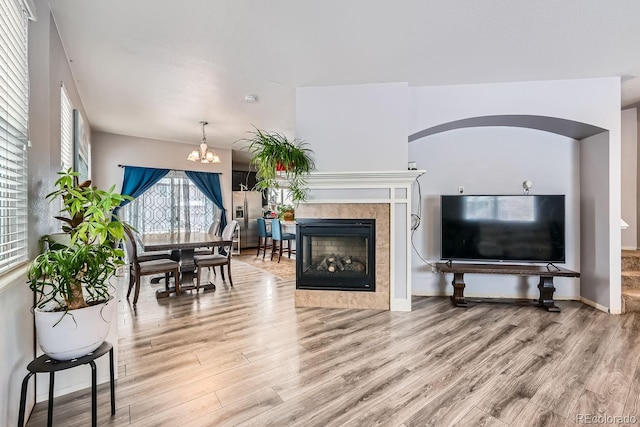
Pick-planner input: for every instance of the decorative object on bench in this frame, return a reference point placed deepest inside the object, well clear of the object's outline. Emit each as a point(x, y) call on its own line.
point(546, 273)
point(71, 280)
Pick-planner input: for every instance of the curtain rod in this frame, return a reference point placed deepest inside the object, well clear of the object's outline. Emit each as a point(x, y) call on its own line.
point(171, 169)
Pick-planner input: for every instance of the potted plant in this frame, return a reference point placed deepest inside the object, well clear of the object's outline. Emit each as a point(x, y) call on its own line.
point(286, 212)
point(280, 162)
point(71, 280)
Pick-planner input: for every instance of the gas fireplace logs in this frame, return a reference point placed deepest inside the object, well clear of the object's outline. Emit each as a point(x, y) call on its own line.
point(335, 263)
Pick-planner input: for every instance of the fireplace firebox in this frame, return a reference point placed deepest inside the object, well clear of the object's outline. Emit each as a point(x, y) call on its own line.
point(335, 254)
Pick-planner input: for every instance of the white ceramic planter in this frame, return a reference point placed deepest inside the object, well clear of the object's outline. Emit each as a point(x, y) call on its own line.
point(76, 333)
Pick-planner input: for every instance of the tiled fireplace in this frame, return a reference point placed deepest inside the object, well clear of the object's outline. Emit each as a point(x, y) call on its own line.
point(381, 198)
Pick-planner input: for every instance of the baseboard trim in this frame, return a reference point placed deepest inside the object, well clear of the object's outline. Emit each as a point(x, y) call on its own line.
point(506, 296)
point(400, 304)
point(629, 248)
point(596, 305)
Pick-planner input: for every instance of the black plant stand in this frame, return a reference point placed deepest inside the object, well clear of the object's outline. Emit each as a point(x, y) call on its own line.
point(45, 364)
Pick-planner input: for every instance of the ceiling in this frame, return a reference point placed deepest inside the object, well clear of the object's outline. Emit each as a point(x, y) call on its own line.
point(155, 68)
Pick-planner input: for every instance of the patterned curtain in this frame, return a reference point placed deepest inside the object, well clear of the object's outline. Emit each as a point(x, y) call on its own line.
point(174, 203)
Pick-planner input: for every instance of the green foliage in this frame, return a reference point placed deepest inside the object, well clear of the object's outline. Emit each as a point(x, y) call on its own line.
point(74, 275)
point(272, 151)
point(56, 275)
point(282, 209)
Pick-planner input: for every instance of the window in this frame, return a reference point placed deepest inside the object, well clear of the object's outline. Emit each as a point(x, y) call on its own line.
point(172, 204)
point(14, 93)
point(66, 130)
point(82, 144)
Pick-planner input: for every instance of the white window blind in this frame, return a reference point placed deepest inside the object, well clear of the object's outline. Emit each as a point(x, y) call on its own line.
point(66, 130)
point(14, 94)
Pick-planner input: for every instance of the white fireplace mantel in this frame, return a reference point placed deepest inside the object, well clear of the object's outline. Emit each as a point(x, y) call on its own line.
point(390, 187)
point(368, 179)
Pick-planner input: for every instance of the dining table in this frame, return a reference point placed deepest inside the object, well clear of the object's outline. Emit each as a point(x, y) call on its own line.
point(182, 245)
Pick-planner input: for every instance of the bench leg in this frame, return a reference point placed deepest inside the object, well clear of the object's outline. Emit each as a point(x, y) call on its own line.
point(546, 294)
point(458, 290)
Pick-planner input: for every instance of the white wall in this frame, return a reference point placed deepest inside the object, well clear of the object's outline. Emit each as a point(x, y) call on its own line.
point(48, 68)
point(592, 101)
point(629, 176)
point(16, 344)
point(494, 160)
point(567, 99)
point(595, 268)
point(109, 150)
point(361, 128)
point(355, 128)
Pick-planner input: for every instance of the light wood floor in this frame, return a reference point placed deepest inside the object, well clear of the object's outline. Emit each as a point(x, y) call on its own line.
point(246, 356)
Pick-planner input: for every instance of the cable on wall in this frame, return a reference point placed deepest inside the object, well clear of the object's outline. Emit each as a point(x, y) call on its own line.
point(416, 221)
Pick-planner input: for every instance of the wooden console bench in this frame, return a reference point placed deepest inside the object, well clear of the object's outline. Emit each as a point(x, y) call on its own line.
point(546, 273)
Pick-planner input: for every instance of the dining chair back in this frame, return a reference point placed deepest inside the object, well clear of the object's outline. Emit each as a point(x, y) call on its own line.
point(138, 268)
point(214, 229)
point(263, 236)
point(278, 236)
point(222, 258)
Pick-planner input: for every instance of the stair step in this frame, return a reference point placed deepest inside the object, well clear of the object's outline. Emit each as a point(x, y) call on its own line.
point(631, 260)
point(631, 301)
point(630, 280)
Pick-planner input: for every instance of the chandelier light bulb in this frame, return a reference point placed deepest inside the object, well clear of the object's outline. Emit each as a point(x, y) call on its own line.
point(204, 155)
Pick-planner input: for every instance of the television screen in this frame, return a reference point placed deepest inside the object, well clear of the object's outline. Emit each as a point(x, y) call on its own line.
point(527, 228)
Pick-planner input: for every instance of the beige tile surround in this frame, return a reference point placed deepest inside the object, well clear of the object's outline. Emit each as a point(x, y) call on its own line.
point(345, 299)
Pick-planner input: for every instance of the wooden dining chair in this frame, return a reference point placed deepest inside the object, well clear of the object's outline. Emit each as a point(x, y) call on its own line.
point(263, 237)
point(222, 258)
point(278, 236)
point(138, 268)
point(214, 229)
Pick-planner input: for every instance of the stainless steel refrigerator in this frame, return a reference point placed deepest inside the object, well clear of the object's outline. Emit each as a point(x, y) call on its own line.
point(247, 208)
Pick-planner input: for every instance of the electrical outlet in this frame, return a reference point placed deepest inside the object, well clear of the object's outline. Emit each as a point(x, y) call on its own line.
point(460, 189)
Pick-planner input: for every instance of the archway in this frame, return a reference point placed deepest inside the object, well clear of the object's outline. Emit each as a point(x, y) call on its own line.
point(600, 281)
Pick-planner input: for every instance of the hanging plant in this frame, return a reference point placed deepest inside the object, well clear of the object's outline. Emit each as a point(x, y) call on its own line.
point(280, 163)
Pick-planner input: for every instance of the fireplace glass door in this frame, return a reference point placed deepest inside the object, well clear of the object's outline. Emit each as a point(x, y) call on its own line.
point(335, 254)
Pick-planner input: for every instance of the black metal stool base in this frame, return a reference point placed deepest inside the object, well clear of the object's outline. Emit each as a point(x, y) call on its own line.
point(45, 364)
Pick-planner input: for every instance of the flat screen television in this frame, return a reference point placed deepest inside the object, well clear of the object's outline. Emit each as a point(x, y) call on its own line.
point(523, 228)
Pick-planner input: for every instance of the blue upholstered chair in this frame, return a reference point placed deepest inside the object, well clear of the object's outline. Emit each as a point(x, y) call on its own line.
point(263, 237)
point(278, 236)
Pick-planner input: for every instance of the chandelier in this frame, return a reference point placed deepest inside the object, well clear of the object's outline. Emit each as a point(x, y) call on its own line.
point(203, 154)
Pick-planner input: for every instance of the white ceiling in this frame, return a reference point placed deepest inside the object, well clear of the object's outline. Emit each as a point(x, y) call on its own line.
point(155, 68)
